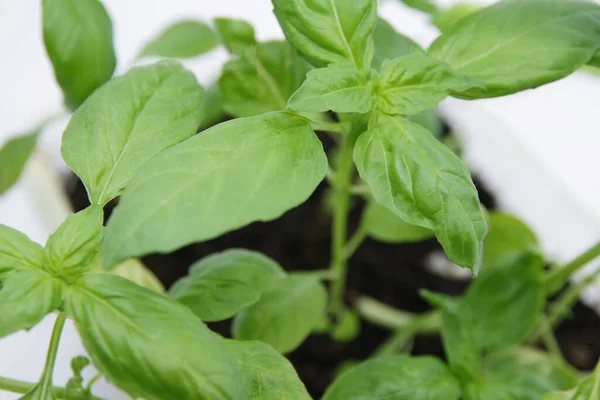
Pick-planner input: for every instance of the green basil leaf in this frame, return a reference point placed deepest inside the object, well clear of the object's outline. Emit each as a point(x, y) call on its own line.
point(254, 169)
point(397, 377)
point(516, 45)
point(184, 39)
point(390, 44)
point(511, 295)
point(237, 35)
point(520, 373)
point(507, 239)
point(26, 296)
point(266, 374)
point(223, 284)
point(138, 273)
point(347, 327)
point(335, 88)
point(429, 120)
point(588, 389)
point(79, 41)
point(426, 6)
point(383, 225)
point(18, 251)
point(149, 345)
point(445, 20)
point(70, 250)
point(213, 108)
point(127, 122)
point(264, 82)
point(568, 395)
point(416, 83)
point(460, 345)
point(595, 61)
point(13, 158)
point(424, 183)
point(287, 312)
point(329, 31)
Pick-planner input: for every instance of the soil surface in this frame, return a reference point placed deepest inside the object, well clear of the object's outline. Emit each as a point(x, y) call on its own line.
point(394, 274)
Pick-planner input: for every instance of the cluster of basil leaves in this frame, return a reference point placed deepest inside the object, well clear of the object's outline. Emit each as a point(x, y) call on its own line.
point(134, 137)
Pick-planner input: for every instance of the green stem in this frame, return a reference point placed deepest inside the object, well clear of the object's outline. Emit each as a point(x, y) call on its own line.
point(355, 241)
point(557, 278)
point(46, 380)
point(386, 316)
point(341, 205)
point(549, 339)
point(92, 381)
point(22, 387)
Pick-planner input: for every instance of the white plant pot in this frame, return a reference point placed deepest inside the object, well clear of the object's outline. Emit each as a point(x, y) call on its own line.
point(535, 150)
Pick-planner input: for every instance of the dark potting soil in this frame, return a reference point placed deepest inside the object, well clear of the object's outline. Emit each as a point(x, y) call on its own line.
point(394, 274)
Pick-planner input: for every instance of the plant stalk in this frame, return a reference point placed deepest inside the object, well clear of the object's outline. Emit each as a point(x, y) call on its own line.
point(46, 380)
point(557, 278)
point(22, 387)
point(341, 205)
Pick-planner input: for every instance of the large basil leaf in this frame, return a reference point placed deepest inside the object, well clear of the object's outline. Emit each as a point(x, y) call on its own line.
point(149, 345)
point(287, 312)
point(70, 250)
point(266, 374)
point(520, 373)
point(390, 44)
point(426, 6)
point(335, 88)
point(26, 296)
point(424, 183)
point(79, 42)
point(511, 295)
point(184, 39)
point(396, 377)
point(416, 83)
point(329, 31)
point(13, 157)
point(245, 170)
point(223, 284)
point(127, 122)
point(516, 45)
point(383, 225)
point(263, 81)
point(18, 251)
point(507, 239)
point(237, 35)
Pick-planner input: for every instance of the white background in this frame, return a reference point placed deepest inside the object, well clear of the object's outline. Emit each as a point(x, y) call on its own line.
point(538, 149)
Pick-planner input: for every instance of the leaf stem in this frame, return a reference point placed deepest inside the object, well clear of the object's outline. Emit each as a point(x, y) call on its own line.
point(92, 381)
point(46, 379)
point(355, 241)
point(22, 387)
point(549, 339)
point(557, 278)
point(389, 317)
point(341, 206)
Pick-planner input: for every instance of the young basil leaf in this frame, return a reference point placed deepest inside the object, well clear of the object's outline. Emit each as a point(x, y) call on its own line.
point(223, 284)
point(426, 6)
point(70, 250)
point(507, 239)
point(254, 169)
point(127, 122)
point(335, 88)
point(26, 296)
point(266, 374)
point(424, 183)
point(511, 295)
point(330, 31)
point(287, 312)
point(390, 44)
point(520, 373)
point(79, 41)
point(397, 377)
point(184, 39)
point(149, 345)
point(18, 251)
point(416, 82)
point(460, 345)
point(13, 158)
point(516, 45)
point(383, 225)
point(263, 82)
point(237, 35)
point(347, 327)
